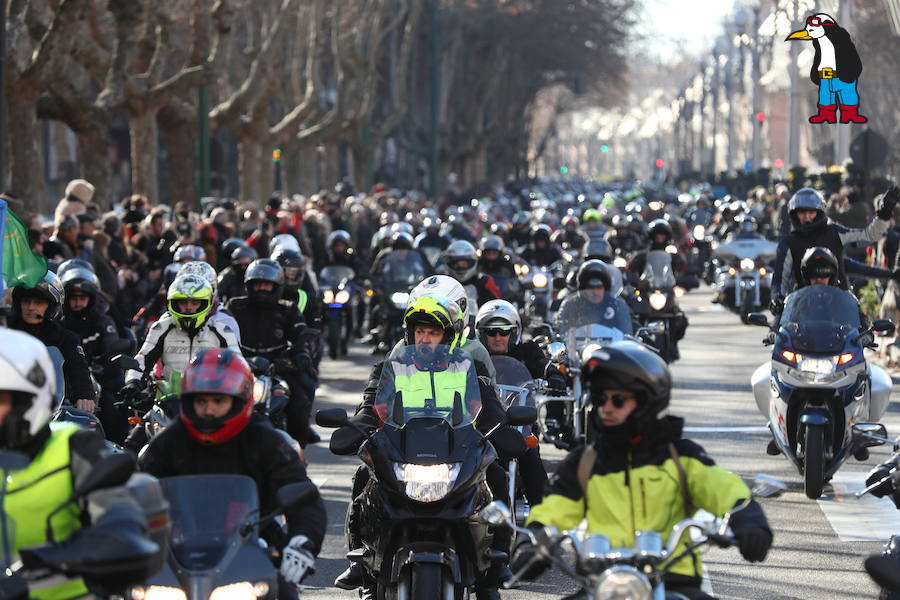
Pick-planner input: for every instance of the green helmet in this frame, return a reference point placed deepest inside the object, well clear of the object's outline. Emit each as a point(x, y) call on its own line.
point(190, 287)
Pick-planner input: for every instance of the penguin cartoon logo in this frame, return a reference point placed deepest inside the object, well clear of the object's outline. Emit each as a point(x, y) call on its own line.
point(835, 69)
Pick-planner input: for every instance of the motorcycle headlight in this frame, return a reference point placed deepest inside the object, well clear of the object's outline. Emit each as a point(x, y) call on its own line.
point(699, 232)
point(619, 262)
point(521, 269)
point(157, 592)
point(539, 280)
point(342, 297)
point(671, 249)
point(242, 590)
point(328, 297)
point(657, 300)
point(622, 582)
point(427, 483)
point(818, 366)
point(679, 291)
point(400, 299)
point(747, 264)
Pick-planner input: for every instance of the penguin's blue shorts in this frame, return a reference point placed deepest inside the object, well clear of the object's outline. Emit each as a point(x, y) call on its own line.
point(835, 89)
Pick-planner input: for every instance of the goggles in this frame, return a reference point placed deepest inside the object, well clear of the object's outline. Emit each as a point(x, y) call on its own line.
point(495, 331)
point(818, 22)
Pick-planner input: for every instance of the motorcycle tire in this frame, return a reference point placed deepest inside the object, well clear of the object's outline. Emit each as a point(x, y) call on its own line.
point(814, 462)
point(334, 338)
point(427, 582)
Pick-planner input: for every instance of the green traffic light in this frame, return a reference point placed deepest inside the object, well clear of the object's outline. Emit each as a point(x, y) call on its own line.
point(604, 148)
point(563, 170)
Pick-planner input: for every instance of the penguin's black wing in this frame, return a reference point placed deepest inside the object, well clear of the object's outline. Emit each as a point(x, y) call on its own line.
point(814, 69)
point(848, 64)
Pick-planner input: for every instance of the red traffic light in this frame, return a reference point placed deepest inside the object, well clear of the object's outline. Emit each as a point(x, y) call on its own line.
point(779, 163)
point(760, 117)
point(660, 163)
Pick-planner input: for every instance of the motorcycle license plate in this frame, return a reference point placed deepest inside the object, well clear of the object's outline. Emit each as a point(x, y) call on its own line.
point(817, 365)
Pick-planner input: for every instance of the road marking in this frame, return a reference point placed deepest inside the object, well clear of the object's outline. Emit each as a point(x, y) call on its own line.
point(735, 429)
point(319, 481)
point(866, 519)
point(714, 308)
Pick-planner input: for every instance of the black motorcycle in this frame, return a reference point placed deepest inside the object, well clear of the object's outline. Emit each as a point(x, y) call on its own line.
point(339, 295)
point(423, 539)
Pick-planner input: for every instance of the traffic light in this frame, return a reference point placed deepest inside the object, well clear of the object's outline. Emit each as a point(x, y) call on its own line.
point(760, 117)
point(660, 163)
point(604, 148)
point(276, 155)
point(564, 170)
point(778, 163)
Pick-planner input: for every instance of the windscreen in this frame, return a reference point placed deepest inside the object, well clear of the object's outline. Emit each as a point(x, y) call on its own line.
point(658, 270)
point(333, 275)
point(402, 269)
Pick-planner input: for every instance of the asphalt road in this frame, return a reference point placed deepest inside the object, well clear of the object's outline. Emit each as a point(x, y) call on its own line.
point(819, 545)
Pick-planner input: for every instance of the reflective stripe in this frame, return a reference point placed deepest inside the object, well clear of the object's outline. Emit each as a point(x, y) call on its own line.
point(302, 299)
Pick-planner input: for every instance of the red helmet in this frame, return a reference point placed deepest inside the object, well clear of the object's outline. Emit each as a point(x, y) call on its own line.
point(217, 371)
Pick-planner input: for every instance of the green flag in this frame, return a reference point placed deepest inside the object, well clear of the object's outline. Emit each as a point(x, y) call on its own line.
point(21, 266)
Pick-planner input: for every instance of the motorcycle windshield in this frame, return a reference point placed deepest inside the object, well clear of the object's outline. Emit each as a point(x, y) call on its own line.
point(515, 384)
point(820, 317)
point(593, 314)
point(332, 276)
point(207, 512)
point(658, 270)
point(425, 381)
point(756, 247)
point(402, 269)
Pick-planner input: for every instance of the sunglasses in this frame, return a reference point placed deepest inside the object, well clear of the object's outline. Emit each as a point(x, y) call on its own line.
point(817, 22)
point(493, 331)
point(618, 400)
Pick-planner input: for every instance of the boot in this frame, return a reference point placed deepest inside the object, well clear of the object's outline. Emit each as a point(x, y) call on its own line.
point(353, 577)
point(849, 114)
point(827, 114)
point(772, 448)
point(486, 593)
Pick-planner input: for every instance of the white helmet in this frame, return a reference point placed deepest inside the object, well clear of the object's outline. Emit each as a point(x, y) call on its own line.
point(443, 285)
point(204, 270)
point(27, 371)
point(461, 260)
point(284, 240)
point(499, 313)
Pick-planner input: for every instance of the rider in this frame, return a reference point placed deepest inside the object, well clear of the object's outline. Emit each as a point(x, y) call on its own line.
point(218, 432)
point(595, 303)
point(61, 455)
point(569, 236)
point(621, 238)
point(638, 473)
point(37, 311)
point(661, 237)
point(340, 251)
point(462, 264)
point(811, 228)
point(273, 329)
point(497, 264)
point(430, 321)
point(540, 252)
point(298, 285)
point(231, 279)
point(179, 334)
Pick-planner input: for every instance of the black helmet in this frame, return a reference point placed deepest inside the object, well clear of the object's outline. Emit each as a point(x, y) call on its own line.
point(500, 229)
point(598, 248)
point(170, 273)
point(619, 221)
point(631, 366)
point(339, 236)
point(492, 242)
point(243, 256)
point(80, 282)
point(292, 263)
point(264, 269)
point(229, 245)
point(49, 288)
point(658, 226)
point(593, 273)
point(401, 241)
point(807, 199)
point(73, 263)
point(541, 231)
point(817, 263)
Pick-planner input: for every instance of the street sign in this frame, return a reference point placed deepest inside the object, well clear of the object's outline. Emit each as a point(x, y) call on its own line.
point(869, 149)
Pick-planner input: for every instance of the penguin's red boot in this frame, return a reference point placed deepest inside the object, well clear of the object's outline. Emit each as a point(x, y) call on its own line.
point(849, 114)
point(827, 114)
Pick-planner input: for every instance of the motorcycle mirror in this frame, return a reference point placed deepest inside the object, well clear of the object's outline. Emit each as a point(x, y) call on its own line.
point(757, 318)
point(870, 434)
point(124, 361)
point(496, 514)
point(259, 365)
point(521, 415)
point(883, 570)
point(765, 486)
point(557, 351)
point(883, 326)
point(332, 418)
point(13, 461)
point(293, 494)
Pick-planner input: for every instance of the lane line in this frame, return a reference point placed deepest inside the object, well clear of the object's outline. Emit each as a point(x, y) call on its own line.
point(319, 481)
point(866, 519)
point(727, 429)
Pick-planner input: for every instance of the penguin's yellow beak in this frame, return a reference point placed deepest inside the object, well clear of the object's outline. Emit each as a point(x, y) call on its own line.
point(799, 35)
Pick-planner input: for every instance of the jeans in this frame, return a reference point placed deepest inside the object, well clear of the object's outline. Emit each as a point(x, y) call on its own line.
point(831, 89)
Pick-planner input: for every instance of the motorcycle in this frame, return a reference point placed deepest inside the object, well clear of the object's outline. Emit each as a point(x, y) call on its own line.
point(818, 383)
point(214, 550)
point(427, 465)
point(541, 285)
point(517, 388)
point(656, 303)
point(701, 254)
point(156, 407)
point(401, 271)
point(270, 392)
point(339, 295)
point(636, 572)
point(744, 279)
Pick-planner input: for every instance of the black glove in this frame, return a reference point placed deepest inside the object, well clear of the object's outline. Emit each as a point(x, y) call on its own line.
point(284, 365)
point(526, 553)
point(754, 543)
point(887, 202)
point(303, 361)
point(129, 392)
point(776, 304)
point(556, 381)
point(876, 475)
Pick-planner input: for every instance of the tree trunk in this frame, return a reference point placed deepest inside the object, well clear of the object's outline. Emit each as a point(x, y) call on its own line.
point(362, 165)
point(304, 180)
point(144, 150)
point(93, 148)
point(179, 136)
point(25, 160)
point(332, 164)
point(266, 172)
point(248, 162)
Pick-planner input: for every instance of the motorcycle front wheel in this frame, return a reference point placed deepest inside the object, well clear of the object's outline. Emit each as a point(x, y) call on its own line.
point(814, 462)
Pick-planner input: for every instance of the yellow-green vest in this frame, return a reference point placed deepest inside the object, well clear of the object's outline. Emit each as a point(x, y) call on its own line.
point(418, 386)
point(37, 490)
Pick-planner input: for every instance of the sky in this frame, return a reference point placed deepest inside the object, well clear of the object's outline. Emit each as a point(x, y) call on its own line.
point(672, 26)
